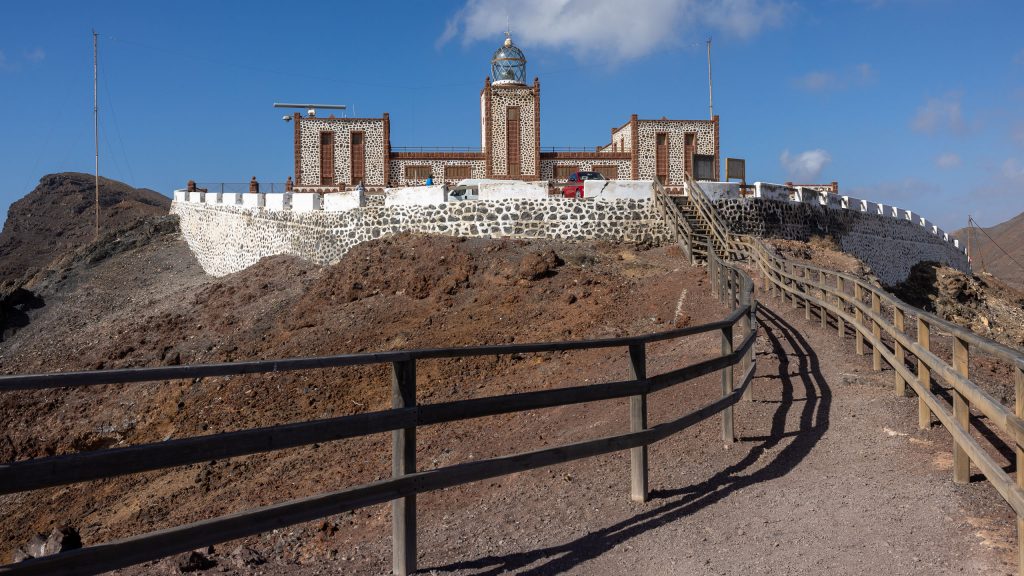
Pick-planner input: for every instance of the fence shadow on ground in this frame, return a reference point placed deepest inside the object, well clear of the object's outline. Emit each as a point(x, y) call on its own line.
point(789, 347)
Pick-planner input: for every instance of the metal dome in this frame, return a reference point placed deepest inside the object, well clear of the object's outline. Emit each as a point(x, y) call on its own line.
point(508, 65)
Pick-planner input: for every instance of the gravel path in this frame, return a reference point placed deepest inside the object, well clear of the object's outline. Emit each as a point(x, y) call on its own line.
point(830, 476)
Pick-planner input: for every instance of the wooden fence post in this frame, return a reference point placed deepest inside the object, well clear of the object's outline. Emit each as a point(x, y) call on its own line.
point(924, 376)
point(822, 280)
point(898, 320)
point(858, 294)
point(876, 331)
point(714, 275)
point(1018, 384)
point(728, 434)
point(733, 277)
point(840, 323)
point(748, 394)
point(638, 423)
point(794, 299)
point(403, 461)
point(807, 294)
point(961, 412)
point(745, 327)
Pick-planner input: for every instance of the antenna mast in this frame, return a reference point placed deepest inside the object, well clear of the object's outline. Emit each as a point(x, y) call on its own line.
point(96, 123)
point(711, 105)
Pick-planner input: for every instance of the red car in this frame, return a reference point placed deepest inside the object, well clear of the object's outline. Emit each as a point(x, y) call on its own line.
point(574, 189)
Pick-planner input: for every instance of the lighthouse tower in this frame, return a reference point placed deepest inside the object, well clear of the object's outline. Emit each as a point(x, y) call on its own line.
point(510, 117)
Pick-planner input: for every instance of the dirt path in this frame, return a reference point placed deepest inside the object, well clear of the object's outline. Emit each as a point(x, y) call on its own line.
point(830, 477)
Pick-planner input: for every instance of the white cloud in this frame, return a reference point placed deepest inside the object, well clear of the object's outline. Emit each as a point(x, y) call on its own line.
point(948, 160)
point(1013, 171)
point(805, 167)
point(614, 29)
point(940, 115)
point(818, 81)
point(36, 55)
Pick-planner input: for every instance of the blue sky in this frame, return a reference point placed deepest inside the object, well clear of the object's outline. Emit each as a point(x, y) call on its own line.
point(917, 103)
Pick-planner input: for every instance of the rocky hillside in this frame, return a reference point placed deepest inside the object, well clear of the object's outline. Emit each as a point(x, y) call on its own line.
point(987, 257)
point(58, 217)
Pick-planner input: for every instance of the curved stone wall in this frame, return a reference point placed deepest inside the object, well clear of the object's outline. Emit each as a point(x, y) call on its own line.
point(890, 246)
point(227, 239)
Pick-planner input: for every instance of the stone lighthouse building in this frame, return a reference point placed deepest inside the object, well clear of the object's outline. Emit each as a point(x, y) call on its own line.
point(332, 153)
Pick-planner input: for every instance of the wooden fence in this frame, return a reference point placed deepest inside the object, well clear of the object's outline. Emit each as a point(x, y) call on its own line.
point(731, 285)
point(853, 301)
point(875, 316)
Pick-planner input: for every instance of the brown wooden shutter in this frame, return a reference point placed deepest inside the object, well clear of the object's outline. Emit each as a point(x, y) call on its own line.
point(358, 160)
point(609, 171)
point(512, 140)
point(688, 150)
point(563, 172)
point(661, 151)
point(326, 158)
point(452, 172)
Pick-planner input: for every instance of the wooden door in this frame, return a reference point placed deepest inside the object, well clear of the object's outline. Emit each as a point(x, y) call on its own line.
point(512, 140)
point(326, 158)
point(689, 146)
point(661, 152)
point(358, 160)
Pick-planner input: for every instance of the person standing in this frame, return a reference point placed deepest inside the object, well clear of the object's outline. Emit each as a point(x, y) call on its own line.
point(430, 180)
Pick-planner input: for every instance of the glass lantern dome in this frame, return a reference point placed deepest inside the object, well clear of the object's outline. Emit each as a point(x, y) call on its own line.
point(508, 65)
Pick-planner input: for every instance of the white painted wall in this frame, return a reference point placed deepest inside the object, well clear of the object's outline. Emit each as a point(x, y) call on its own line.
point(277, 201)
point(772, 191)
point(513, 189)
point(197, 196)
point(341, 201)
point(415, 196)
point(619, 189)
point(306, 202)
point(721, 190)
point(231, 198)
point(253, 200)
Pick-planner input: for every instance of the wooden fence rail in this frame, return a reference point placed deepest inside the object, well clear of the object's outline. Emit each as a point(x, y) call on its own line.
point(402, 421)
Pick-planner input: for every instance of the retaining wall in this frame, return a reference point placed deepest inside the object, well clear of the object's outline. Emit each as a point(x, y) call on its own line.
point(890, 246)
point(227, 239)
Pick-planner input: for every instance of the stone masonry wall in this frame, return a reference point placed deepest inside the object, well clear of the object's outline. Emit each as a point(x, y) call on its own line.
point(227, 239)
point(890, 246)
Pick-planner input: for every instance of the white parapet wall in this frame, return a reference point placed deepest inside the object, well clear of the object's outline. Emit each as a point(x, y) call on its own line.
point(180, 196)
point(772, 191)
point(341, 201)
point(306, 202)
point(513, 189)
point(253, 200)
point(277, 201)
point(617, 189)
point(197, 196)
point(415, 196)
point(721, 190)
point(231, 198)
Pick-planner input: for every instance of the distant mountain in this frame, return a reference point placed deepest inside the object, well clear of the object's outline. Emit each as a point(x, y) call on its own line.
point(987, 257)
point(58, 216)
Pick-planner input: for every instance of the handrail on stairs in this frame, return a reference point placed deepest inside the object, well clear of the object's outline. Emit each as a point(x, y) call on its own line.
point(677, 223)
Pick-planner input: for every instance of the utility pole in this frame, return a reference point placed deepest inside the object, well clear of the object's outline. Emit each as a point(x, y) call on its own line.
point(969, 230)
point(96, 123)
point(711, 104)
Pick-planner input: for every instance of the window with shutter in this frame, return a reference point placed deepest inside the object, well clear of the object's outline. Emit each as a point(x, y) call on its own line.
point(562, 172)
